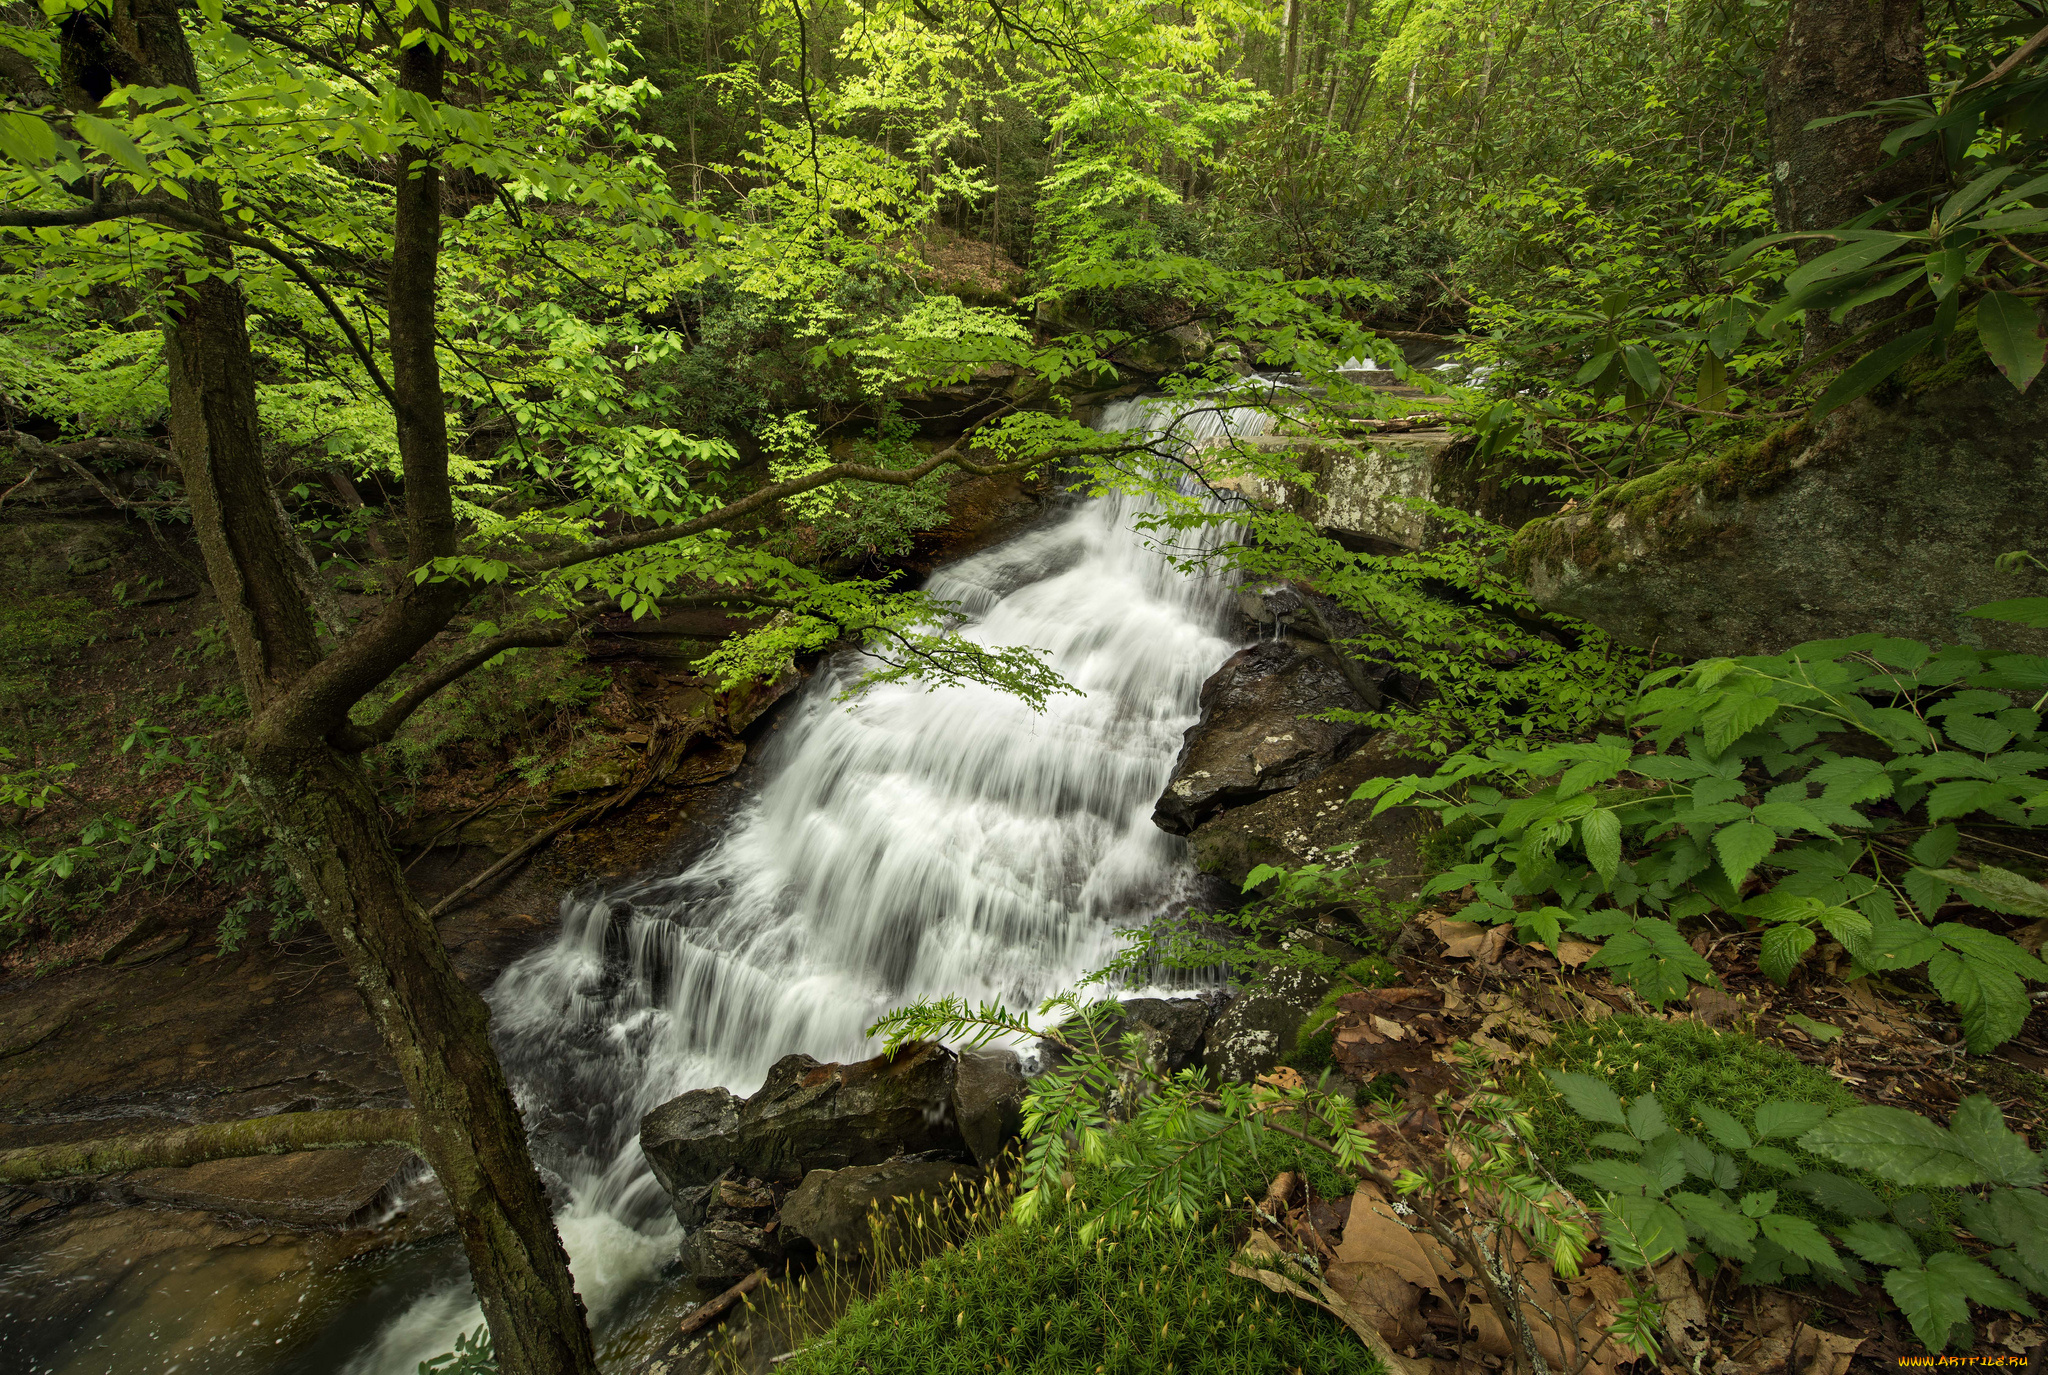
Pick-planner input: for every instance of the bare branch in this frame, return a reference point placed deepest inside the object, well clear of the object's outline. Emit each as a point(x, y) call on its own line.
point(175, 1147)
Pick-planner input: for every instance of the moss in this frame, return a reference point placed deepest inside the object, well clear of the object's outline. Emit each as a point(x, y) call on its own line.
point(1658, 500)
point(1964, 361)
point(1315, 1044)
point(1040, 1297)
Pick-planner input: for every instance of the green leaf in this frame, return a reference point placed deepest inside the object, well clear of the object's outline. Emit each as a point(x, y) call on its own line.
point(1735, 717)
point(1784, 1119)
point(1992, 1001)
point(26, 139)
point(1758, 1202)
point(1869, 370)
point(1931, 1299)
point(2026, 611)
point(1617, 1176)
point(1840, 1194)
point(2002, 890)
point(1742, 846)
point(1937, 846)
point(1979, 1125)
point(1722, 1126)
point(111, 141)
point(1589, 1096)
point(1821, 1032)
point(1801, 1238)
point(2014, 336)
point(1782, 947)
point(1600, 835)
point(1642, 368)
point(1646, 1118)
point(1640, 1231)
point(1977, 734)
point(1894, 1144)
point(1711, 390)
point(1772, 1158)
point(1881, 1243)
point(1725, 1231)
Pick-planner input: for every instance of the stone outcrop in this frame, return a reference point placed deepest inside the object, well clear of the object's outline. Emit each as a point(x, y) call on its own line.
point(337, 1188)
point(1175, 1030)
point(808, 1116)
point(732, 1227)
point(1306, 824)
point(1258, 1028)
point(1256, 735)
point(832, 1210)
point(1887, 519)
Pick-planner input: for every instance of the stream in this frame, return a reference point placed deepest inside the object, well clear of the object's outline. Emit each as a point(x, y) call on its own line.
point(907, 843)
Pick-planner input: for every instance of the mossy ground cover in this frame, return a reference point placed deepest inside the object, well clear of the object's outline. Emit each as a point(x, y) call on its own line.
point(1043, 1297)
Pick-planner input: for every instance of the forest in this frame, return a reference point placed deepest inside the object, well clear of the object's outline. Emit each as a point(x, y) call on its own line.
point(927, 685)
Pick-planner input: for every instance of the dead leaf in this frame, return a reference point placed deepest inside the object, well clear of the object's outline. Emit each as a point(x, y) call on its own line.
point(1571, 954)
point(1492, 945)
point(1392, 1030)
point(1712, 1007)
point(1825, 1353)
point(1374, 1232)
point(1285, 1078)
point(1685, 1316)
point(1331, 1302)
point(1389, 1302)
point(1461, 938)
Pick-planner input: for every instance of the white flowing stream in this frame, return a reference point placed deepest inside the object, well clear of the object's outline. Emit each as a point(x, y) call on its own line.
point(912, 842)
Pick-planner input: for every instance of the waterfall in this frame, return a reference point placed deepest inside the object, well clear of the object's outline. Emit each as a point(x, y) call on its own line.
point(908, 843)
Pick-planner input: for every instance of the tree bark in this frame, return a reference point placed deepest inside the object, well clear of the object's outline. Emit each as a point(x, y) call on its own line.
point(1838, 56)
point(315, 799)
point(177, 1147)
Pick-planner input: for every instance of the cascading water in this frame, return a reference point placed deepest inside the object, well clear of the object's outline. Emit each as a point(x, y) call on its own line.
point(912, 843)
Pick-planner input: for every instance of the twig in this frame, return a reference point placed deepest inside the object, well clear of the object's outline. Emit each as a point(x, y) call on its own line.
point(705, 1314)
point(21, 484)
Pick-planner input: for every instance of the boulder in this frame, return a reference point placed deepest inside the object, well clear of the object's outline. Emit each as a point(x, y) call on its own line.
point(832, 1209)
point(1306, 824)
point(1887, 518)
point(808, 1116)
point(1258, 1028)
point(1255, 735)
point(1175, 1029)
point(733, 1230)
point(988, 1100)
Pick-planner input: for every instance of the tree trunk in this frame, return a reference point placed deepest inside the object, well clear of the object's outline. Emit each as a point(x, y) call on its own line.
point(1838, 56)
point(316, 800)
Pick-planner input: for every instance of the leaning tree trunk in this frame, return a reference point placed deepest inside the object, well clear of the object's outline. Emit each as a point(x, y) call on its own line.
point(1837, 57)
point(316, 800)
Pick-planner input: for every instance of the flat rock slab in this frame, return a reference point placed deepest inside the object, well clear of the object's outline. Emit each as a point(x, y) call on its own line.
point(337, 1188)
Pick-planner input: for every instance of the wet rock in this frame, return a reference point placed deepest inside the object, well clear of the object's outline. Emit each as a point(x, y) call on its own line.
point(1306, 824)
point(304, 1188)
point(1174, 1029)
point(833, 1209)
point(808, 1116)
point(988, 1100)
point(1255, 736)
point(734, 1231)
point(1258, 1028)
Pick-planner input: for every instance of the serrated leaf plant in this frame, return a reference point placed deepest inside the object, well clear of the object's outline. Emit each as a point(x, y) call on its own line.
point(1822, 792)
point(1933, 1269)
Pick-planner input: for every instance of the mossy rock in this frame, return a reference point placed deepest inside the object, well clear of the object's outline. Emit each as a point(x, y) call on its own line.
point(1887, 517)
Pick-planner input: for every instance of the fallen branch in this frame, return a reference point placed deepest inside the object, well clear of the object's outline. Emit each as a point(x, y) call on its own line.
point(705, 1314)
point(176, 1147)
point(661, 758)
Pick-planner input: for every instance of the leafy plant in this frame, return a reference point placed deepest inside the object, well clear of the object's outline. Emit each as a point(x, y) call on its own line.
point(1823, 791)
point(1648, 1214)
point(473, 1355)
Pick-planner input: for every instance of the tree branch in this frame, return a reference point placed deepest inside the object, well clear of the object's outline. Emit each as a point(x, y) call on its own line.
point(356, 739)
point(175, 1147)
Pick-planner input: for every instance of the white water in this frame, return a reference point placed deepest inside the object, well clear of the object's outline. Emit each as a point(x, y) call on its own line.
point(912, 843)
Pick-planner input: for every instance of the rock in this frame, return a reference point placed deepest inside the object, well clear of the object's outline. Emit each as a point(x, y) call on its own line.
point(735, 1231)
point(1305, 825)
point(303, 1188)
point(832, 1209)
point(1254, 737)
point(1173, 1027)
point(1167, 351)
point(612, 764)
point(808, 1116)
point(988, 1100)
point(1252, 1035)
point(1888, 519)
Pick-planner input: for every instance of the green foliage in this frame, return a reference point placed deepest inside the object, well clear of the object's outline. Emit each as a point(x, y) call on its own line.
point(1051, 1295)
point(1817, 792)
point(1649, 1213)
point(473, 1355)
point(522, 696)
point(1693, 1070)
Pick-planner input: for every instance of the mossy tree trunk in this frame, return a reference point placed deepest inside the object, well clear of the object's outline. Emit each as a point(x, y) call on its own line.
point(315, 798)
point(1838, 56)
